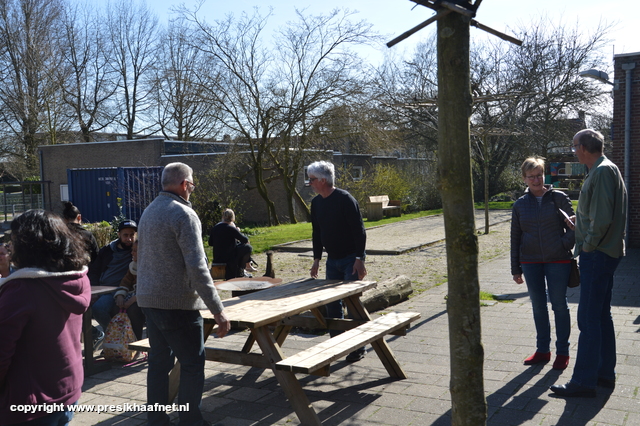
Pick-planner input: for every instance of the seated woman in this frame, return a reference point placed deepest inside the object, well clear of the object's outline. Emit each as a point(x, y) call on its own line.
point(230, 246)
point(41, 308)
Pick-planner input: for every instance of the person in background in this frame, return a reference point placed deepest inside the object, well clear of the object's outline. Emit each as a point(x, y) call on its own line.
point(73, 218)
point(600, 226)
point(174, 284)
point(5, 260)
point(125, 296)
point(108, 269)
point(339, 229)
point(541, 250)
point(230, 246)
point(41, 307)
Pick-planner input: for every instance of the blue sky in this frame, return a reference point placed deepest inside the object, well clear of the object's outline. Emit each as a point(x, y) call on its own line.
point(393, 17)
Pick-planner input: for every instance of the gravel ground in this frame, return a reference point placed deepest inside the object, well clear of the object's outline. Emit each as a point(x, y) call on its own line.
point(425, 268)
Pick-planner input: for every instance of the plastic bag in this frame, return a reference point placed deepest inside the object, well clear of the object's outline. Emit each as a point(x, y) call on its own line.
point(119, 334)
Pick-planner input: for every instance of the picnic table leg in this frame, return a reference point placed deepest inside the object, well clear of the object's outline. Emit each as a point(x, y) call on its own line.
point(358, 311)
point(288, 381)
point(174, 375)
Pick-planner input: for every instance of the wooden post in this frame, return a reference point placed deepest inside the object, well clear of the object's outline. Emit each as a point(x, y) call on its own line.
point(463, 302)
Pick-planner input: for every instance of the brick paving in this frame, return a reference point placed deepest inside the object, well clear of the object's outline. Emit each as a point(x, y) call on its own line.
point(363, 394)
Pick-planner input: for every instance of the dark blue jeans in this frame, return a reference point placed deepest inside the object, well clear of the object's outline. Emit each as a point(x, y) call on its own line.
point(175, 334)
point(340, 269)
point(597, 342)
point(549, 280)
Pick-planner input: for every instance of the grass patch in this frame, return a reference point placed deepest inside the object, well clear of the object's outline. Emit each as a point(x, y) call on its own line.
point(265, 237)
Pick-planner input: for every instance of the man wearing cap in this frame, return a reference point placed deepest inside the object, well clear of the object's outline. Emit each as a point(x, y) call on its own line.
point(109, 267)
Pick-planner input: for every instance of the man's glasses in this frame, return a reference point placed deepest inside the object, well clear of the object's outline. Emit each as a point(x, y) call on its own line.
point(536, 177)
point(312, 179)
point(193, 185)
point(574, 147)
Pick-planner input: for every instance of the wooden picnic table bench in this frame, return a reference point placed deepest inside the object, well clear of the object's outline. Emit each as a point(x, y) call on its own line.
point(379, 206)
point(270, 315)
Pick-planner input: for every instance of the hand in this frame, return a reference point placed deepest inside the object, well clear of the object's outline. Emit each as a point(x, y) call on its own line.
point(518, 278)
point(571, 222)
point(359, 268)
point(130, 302)
point(223, 324)
point(314, 269)
point(120, 301)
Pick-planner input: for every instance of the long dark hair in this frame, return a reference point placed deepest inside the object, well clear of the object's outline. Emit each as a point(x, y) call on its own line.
point(70, 212)
point(42, 240)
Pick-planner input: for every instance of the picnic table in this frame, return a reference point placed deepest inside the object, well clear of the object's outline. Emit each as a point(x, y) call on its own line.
point(270, 314)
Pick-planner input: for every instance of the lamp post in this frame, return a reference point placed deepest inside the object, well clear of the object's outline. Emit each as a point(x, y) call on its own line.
point(603, 77)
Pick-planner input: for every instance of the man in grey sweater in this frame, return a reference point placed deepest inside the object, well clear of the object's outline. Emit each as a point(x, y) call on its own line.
point(174, 283)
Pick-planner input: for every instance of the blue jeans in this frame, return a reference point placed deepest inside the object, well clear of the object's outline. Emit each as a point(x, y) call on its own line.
point(340, 269)
point(57, 418)
point(556, 276)
point(102, 309)
point(175, 334)
point(597, 342)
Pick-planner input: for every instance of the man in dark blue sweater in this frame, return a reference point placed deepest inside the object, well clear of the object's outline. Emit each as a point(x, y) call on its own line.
point(338, 228)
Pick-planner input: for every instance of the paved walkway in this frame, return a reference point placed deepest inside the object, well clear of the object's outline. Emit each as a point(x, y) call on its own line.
point(401, 237)
point(363, 394)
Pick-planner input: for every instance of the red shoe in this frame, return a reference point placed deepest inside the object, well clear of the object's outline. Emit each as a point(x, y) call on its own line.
point(538, 358)
point(561, 362)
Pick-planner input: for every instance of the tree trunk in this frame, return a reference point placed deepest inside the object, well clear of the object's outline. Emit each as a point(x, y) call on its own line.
point(463, 303)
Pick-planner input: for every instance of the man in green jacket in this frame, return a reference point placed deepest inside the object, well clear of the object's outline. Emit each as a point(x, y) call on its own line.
point(600, 225)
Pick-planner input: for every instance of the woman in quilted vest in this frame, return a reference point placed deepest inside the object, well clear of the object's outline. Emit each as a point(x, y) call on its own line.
point(541, 251)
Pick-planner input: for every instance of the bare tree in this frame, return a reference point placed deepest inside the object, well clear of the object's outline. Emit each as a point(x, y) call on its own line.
point(316, 69)
point(182, 109)
point(241, 86)
point(531, 97)
point(463, 301)
point(87, 79)
point(133, 32)
point(28, 54)
point(406, 92)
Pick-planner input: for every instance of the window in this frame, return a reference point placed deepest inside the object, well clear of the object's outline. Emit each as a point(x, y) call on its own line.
point(356, 172)
point(64, 192)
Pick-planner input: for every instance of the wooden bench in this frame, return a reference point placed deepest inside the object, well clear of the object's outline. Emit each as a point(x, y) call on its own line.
point(218, 271)
point(316, 360)
point(379, 206)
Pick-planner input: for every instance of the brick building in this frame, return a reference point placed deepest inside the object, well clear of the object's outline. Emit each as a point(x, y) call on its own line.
point(626, 110)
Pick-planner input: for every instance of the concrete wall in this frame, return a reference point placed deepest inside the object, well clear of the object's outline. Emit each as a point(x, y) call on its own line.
point(56, 159)
point(621, 62)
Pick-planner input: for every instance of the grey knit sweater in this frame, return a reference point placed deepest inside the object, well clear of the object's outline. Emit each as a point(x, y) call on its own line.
point(172, 266)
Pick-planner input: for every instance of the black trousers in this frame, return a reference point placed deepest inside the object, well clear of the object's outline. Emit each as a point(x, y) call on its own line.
point(237, 261)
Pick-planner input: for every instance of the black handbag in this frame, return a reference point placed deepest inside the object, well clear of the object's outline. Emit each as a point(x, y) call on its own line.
point(574, 277)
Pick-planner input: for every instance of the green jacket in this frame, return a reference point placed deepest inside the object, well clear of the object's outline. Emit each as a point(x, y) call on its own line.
point(602, 210)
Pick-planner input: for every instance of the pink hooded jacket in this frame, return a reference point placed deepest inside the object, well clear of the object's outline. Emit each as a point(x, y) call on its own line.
point(40, 327)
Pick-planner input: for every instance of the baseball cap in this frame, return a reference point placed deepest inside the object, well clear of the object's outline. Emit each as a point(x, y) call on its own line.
point(127, 223)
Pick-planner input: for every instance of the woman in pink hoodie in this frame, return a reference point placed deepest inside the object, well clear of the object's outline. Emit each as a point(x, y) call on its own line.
point(41, 307)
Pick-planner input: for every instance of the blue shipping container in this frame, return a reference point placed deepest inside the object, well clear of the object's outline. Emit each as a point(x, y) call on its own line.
point(95, 191)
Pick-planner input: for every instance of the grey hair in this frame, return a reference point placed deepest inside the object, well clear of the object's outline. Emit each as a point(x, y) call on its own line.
point(228, 215)
point(175, 173)
point(592, 140)
point(322, 170)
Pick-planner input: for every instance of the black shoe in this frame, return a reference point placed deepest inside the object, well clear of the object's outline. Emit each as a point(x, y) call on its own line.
point(571, 389)
point(97, 339)
point(355, 356)
point(607, 383)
